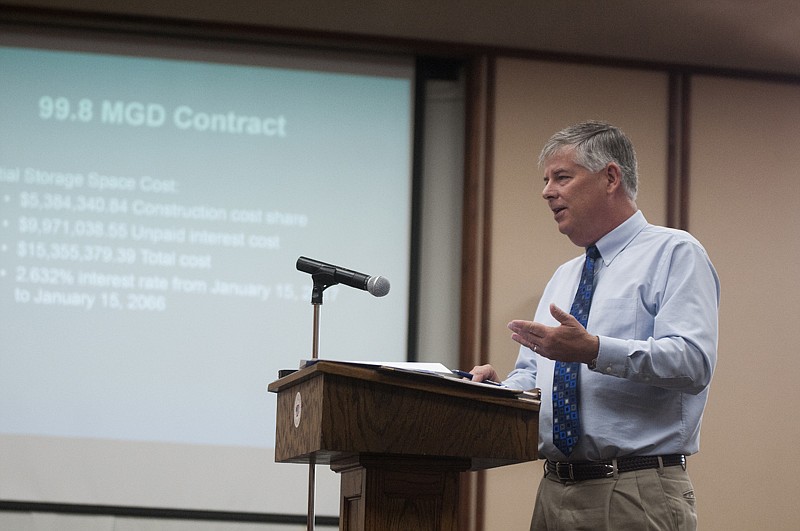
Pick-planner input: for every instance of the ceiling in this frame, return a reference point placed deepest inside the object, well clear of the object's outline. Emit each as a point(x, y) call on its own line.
point(757, 35)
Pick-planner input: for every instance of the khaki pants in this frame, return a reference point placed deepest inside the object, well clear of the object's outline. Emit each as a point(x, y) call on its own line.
point(641, 500)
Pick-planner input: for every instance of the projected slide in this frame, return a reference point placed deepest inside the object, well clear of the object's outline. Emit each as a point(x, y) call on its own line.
point(151, 213)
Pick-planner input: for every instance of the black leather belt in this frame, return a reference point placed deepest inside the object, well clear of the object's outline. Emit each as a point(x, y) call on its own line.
point(582, 470)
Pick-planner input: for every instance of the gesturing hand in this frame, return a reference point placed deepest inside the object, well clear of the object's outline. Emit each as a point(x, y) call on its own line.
point(567, 342)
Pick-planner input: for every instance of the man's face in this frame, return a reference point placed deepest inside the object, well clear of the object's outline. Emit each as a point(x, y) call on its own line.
point(577, 197)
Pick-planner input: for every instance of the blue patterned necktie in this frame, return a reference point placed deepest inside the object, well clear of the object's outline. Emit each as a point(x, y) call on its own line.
point(566, 422)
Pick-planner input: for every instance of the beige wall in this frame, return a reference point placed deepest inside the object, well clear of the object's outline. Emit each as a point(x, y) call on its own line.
point(744, 207)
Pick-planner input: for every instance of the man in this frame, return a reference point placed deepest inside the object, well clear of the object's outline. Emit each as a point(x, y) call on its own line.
point(642, 361)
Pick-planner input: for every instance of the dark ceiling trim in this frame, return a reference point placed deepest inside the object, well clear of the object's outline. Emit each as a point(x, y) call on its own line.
point(241, 33)
point(276, 35)
point(638, 64)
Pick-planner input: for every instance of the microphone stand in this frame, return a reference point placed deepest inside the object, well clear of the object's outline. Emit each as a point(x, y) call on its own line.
point(323, 279)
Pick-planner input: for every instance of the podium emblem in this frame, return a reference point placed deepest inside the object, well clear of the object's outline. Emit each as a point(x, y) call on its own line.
point(298, 409)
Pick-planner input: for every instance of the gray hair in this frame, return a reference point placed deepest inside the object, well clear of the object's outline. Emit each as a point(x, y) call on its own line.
point(596, 144)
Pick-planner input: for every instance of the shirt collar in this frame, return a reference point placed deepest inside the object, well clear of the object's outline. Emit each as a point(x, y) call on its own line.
point(615, 241)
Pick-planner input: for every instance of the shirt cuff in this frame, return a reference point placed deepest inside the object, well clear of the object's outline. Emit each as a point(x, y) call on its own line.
point(612, 356)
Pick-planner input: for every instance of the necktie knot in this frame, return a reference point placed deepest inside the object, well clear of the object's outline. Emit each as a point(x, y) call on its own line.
point(592, 252)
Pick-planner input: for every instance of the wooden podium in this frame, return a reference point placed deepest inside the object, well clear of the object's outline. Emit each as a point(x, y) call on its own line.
point(399, 438)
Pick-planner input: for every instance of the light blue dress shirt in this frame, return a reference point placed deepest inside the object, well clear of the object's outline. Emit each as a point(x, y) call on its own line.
point(655, 310)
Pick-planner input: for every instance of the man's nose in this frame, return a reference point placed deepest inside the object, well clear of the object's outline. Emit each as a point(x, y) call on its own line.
point(547, 191)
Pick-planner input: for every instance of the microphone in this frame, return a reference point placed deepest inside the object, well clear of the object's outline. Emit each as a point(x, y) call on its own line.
point(378, 286)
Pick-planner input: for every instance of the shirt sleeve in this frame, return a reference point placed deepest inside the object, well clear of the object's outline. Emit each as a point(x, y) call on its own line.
point(523, 377)
point(681, 352)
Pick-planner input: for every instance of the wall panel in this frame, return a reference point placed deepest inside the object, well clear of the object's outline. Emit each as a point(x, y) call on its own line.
point(745, 208)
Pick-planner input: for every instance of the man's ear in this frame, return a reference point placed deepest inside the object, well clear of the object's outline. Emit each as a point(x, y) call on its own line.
point(613, 175)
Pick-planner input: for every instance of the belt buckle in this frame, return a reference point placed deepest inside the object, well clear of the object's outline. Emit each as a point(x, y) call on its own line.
point(566, 471)
point(568, 466)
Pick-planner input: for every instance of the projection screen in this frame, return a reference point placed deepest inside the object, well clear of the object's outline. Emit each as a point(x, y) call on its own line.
point(154, 197)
